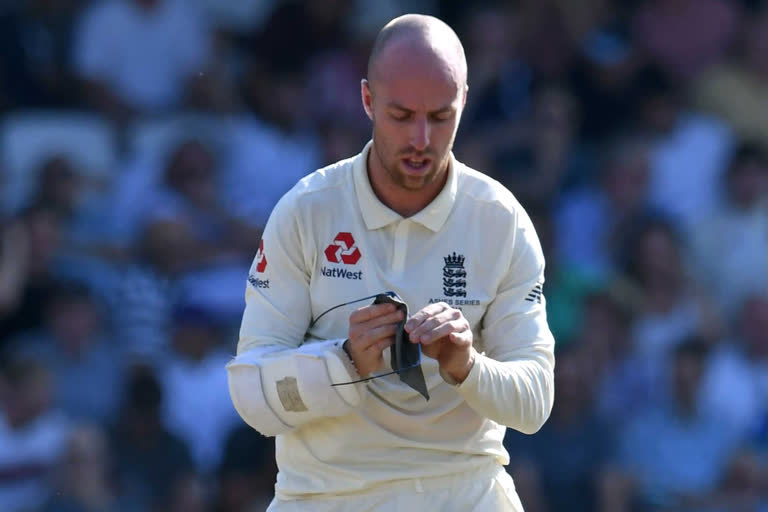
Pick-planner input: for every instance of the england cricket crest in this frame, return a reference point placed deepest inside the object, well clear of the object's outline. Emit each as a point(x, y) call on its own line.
point(454, 276)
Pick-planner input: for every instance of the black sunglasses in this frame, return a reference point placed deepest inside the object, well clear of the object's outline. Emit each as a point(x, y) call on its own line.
point(405, 356)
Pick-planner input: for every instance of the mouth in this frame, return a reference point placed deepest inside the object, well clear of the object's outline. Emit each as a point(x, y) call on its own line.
point(416, 165)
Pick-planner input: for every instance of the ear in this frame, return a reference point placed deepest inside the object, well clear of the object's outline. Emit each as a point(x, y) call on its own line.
point(464, 99)
point(367, 96)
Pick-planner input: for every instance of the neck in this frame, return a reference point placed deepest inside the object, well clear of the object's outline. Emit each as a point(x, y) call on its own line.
point(406, 202)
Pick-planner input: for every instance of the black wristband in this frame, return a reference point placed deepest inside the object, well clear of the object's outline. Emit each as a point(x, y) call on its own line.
point(346, 350)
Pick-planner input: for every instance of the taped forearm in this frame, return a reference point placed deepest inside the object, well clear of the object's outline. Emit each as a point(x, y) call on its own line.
point(518, 394)
point(275, 389)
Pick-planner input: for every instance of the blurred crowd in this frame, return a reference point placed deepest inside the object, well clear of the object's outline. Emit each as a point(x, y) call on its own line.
point(143, 144)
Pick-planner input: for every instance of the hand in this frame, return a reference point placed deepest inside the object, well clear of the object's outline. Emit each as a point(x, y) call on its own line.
point(371, 330)
point(444, 335)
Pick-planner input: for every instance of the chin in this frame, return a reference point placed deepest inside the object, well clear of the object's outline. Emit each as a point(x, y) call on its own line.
point(415, 181)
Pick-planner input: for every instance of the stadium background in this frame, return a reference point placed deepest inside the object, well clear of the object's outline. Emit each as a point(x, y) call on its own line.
point(143, 143)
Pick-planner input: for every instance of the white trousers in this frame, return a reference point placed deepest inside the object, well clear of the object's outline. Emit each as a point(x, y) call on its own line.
point(488, 490)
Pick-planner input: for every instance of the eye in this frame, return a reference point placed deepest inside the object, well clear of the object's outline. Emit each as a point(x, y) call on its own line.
point(400, 116)
point(442, 117)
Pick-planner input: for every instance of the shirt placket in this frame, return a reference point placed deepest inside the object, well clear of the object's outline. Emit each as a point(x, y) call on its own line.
point(400, 246)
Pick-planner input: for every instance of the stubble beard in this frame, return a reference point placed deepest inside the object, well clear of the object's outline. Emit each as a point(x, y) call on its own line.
point(404, 181)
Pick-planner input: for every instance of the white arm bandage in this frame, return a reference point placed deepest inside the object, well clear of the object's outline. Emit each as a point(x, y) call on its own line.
point(275, 390)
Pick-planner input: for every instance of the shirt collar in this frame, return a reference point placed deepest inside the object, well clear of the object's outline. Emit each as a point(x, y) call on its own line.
point(377, 215)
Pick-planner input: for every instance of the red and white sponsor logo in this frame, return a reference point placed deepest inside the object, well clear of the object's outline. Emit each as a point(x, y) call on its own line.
point(343, 250)
point(261, 259)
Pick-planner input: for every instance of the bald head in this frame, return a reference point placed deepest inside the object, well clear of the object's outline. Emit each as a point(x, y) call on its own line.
point(417, 36)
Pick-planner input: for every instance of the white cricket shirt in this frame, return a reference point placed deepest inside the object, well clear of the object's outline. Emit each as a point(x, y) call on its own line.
point(329, 241)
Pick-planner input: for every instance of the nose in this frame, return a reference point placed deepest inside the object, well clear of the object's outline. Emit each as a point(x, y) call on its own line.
point(420, 134)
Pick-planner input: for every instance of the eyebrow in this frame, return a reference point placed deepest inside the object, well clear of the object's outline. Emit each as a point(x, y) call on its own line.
point(395, 105)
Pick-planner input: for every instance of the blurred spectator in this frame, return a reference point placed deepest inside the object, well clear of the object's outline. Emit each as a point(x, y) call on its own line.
point(301, 30)
point(735, 383)
point(142, 303)
point(547, 160)
point(674, 452)
point(31, 247)
point(190, 194)
point(500, 79)
point(571, 449)
point(33, 436)
point(88, 251)
point(265, 161)
point(566, 287)
point(214, 245)
point(148, 459)
point(686, 36)
point(187, 494)
point(277, 97)
point(85, 365)
point(142, 179)
point(671, 306)
point(138, 55)
point(247, 472)
point(334, 82)
point(625, 381)
point(592, 220)
point(198, 411)
point(731, 245)
point(188, 209)
point(538, 156)
point(744, 487)
point(603, 77)
point(551, 58)
point(36, 38)
point(582, 19)
point(306, 32)
point(737, 90)
point(85, 481)
point(251, 164)
point(604, 84)
point(689, 151)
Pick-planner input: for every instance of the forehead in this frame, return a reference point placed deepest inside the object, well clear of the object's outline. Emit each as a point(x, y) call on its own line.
point(416, 78)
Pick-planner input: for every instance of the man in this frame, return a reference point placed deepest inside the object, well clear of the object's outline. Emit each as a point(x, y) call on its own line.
point(404, 215)
point(140, 56)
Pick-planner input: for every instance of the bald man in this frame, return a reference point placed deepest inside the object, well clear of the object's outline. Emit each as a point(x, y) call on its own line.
point(314, 365)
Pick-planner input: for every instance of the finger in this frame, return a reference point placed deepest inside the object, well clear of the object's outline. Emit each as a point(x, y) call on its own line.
point(390, 318)
point(426, 326)
point(447, 315)
point(443, 330)
point(460, 338)
point(423, 314)
point(371, 336)
point(379, 346)
point(370, 312)
point(359, 330)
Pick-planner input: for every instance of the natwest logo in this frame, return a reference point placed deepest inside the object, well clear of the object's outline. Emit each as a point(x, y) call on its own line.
point(343, 250)
point(261, 259)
